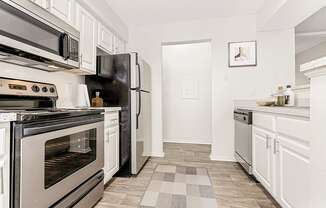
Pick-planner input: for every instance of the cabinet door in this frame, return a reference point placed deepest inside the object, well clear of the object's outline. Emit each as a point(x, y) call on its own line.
point(262, 157)
point(107, 177)
point(63, 9)
point(41, 3)
point(119, 45)
point(113, 150)
point(87, 26)
point(292, 165)
point(105, 39)
point(4, 164)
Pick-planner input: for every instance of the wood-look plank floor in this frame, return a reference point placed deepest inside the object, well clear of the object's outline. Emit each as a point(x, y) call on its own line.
point(233, 188)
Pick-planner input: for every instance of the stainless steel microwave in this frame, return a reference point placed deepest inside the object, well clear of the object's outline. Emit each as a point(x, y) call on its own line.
point(33, 37)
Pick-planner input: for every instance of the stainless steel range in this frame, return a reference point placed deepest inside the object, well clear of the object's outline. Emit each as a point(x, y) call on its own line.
point(56, 154)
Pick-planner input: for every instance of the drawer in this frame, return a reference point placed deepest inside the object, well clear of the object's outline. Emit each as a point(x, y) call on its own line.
point(114, 130)
point(295, 128)
point(111, 119)
point(264, 121)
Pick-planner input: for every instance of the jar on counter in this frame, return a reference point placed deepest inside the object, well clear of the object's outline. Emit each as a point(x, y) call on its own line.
point(280, 97)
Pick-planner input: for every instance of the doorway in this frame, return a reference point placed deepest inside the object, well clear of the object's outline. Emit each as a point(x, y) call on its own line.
point(187, 93)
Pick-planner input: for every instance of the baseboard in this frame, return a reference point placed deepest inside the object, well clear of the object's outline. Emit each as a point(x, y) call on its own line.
point(223, 158)
point(181, 141)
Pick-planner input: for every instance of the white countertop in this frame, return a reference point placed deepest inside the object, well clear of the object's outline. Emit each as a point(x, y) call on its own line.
point(290, 111)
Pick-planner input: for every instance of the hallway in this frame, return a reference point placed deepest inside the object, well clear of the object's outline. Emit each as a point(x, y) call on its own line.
point(233, 189)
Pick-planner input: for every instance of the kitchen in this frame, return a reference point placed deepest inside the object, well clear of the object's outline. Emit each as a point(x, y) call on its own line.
point(58, 58)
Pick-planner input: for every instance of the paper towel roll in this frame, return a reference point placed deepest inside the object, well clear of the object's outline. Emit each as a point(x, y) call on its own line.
point(82, 96)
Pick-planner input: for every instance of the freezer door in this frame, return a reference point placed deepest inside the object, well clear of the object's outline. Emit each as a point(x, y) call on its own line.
point(140, 72)
point(134, 71)
point(145, 76)
point(141, 145)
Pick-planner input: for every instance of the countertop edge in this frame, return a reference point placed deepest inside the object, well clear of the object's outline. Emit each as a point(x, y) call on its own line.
point(288, 111)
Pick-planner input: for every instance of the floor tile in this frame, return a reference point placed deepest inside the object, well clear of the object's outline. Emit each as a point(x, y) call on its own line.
point(164, 200)
point(206, 192)
point(155, 186)
point(169, 177)
point(166, 168)
point(149, 199)
point(174, 188)
point(179, 201)
point(193, 190)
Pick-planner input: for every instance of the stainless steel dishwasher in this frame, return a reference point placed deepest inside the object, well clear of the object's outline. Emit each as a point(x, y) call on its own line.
point(243, 138)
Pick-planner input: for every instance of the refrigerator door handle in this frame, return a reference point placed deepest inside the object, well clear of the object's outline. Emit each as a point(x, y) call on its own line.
point(139, 108)
point(139, 75)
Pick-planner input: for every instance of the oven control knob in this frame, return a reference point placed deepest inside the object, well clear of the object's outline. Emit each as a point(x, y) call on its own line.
point(35, 88)
point(52, 90)
point(44, 89)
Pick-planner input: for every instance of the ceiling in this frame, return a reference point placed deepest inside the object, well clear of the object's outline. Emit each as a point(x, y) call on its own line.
point(144, 12)
point(311, 32)
point(315, 23)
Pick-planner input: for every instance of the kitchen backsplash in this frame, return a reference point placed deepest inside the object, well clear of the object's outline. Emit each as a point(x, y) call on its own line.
point(63, 80)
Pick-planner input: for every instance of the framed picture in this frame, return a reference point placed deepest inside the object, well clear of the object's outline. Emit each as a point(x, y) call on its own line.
point(243, 54)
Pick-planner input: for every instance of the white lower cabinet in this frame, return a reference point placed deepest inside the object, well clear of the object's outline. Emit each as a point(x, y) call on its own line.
point(281, 160)
point(111, 145)
point(292, 173)
point(4, 164)
point(263, 157)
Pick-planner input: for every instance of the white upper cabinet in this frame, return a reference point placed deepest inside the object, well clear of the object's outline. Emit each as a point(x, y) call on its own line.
point(87, 25)
point(64, 9)
point(105, 39)
point(119, 45)
point(41, 3)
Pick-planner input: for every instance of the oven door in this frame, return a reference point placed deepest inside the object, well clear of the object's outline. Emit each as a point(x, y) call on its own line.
point(54, 163)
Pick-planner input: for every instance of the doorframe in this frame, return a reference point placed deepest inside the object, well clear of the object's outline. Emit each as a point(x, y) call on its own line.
point(163, 82)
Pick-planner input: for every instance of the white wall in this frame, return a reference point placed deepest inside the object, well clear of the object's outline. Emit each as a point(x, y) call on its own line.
point(275, 66)
point(187, 105)
point(57, 78)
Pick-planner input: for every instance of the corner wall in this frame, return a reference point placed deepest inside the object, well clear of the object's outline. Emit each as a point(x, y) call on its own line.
point(275, 67)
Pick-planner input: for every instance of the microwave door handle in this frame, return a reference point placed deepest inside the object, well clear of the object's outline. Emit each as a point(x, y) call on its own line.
point(65, 46)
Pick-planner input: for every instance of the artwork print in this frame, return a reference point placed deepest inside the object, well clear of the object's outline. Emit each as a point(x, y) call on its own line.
point(243, 54)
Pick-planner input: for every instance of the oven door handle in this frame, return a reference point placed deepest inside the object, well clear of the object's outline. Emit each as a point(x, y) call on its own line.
point(38, 129)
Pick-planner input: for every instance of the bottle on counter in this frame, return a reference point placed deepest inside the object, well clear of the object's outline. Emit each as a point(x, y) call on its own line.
point(289, 96)
point(97, 101)
point(280, 96)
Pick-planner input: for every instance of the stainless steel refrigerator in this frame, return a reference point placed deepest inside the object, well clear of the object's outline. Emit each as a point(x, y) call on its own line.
point(124, 80)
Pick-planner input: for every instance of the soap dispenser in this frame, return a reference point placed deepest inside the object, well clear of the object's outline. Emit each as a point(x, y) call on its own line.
point(97, 101)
